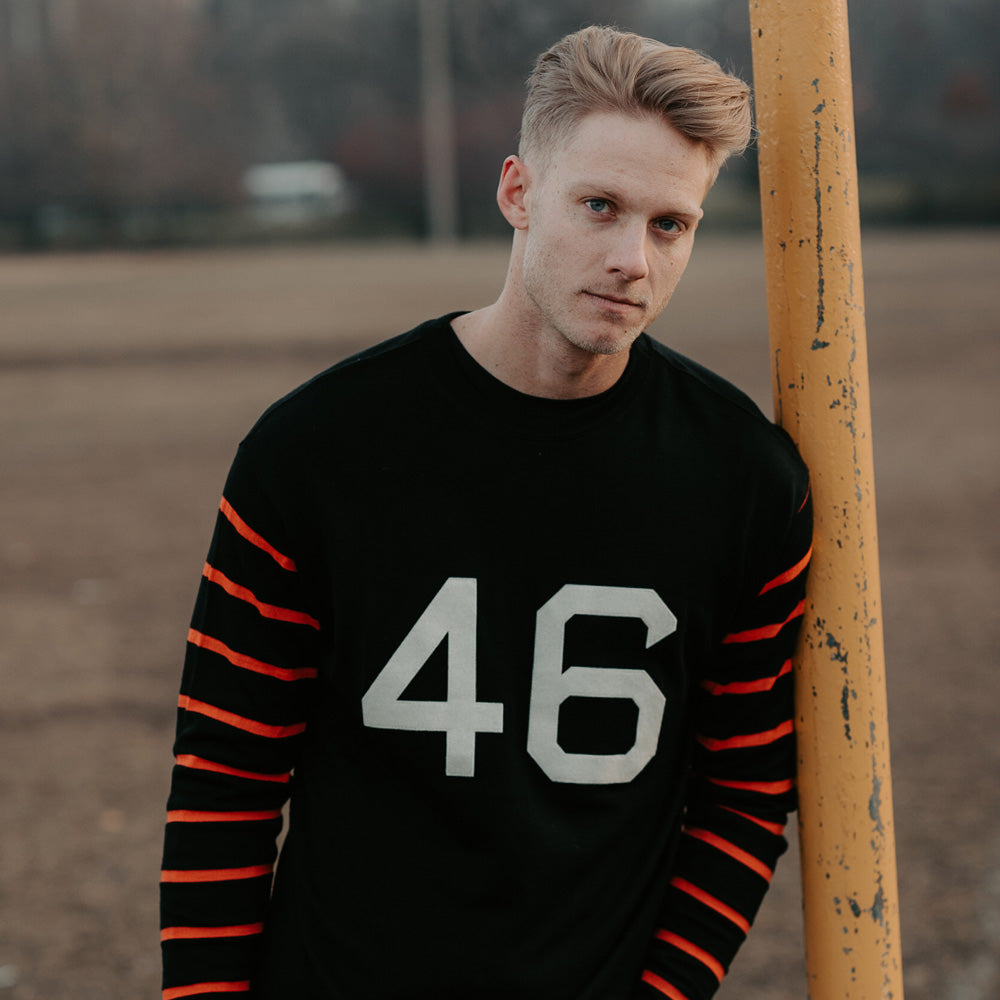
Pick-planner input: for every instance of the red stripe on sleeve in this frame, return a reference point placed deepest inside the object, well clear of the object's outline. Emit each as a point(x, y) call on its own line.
point(203, 641)
point(748, 687)
point(698, 954)
point(789, 574)
point(766, 631)
point(736, 853)
point(748, 739)
point(214, 874)
point(267, 610)
point(776, 828)
point(202, 764)
point(253, 538)
point(200, 933)
point(764, 787)
point(201, 816)
point(175, 992)
point(662, 985)
point(238, 721)
point(710, 901)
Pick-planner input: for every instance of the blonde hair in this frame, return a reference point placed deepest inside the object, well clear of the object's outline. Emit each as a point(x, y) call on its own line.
point(604, 69)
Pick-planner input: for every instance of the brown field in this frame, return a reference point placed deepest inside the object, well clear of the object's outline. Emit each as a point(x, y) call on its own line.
point(125, 384)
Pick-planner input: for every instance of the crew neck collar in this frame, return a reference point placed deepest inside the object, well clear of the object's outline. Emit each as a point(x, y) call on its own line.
point(521, 412)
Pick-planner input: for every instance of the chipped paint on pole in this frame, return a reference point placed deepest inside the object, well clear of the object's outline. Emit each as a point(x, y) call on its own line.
point(812, 244)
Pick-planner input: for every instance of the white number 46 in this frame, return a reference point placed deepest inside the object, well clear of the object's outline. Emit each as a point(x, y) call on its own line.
point(452, 614)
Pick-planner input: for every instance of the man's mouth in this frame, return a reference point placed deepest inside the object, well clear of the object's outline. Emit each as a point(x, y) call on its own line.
point(614, 300)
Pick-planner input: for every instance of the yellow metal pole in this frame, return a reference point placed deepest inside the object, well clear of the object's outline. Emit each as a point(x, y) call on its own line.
point(812, 241)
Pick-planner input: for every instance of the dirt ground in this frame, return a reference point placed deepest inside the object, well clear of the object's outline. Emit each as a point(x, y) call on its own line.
point(125, 384)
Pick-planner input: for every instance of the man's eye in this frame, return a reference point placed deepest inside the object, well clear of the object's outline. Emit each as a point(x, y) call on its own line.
point(596, 204)
point(668, 225)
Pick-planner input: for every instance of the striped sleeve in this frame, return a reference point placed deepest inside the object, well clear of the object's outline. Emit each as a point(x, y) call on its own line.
point(743, 784)
point(251, 659)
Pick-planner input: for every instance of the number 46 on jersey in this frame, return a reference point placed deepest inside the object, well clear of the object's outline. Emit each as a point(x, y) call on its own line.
point(452, 613)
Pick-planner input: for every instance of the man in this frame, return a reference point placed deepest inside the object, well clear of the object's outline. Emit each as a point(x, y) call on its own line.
point(506, 605)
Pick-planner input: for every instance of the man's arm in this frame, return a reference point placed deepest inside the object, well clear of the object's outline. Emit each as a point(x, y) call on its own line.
point(251, 660)
point(742, 785)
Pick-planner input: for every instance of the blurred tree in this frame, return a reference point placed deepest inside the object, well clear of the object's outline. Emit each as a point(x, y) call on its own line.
point(118, 113)
point(927, 90)
point(110, 106)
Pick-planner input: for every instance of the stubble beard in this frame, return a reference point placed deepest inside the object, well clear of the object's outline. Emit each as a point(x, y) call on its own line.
point(578, 332)
point(578, 322)
point(616, 340)
point(603, 344)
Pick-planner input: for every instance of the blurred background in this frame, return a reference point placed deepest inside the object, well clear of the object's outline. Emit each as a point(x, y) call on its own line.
point(205, 202)
point(148, 122)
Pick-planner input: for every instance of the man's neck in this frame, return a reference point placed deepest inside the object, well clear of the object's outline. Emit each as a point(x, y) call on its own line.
point(533, 361)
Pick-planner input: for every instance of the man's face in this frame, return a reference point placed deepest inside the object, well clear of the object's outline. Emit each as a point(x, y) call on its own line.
point(608, 227)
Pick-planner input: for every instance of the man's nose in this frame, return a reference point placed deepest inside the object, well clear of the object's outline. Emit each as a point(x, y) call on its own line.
point(628, 256)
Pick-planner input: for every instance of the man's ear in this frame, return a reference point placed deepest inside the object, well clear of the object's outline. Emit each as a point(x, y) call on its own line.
point(511, 192)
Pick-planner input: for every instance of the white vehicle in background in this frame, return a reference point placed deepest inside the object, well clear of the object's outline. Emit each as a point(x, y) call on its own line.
point(296, 194)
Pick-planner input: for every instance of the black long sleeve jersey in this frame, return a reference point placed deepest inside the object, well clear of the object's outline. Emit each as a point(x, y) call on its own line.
point(522, 666)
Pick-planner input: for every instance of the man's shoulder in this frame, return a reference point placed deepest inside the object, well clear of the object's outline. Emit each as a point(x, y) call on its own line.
point(374, 376)
point(712, 388)
point(724, 411)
